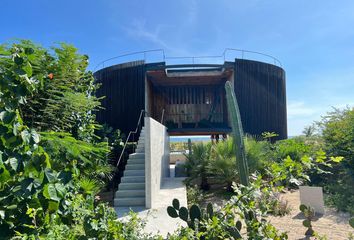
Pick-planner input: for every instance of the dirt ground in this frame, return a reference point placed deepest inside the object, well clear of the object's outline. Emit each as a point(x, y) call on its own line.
point(332, 224)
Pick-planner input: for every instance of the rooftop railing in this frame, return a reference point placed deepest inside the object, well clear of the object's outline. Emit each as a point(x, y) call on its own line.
point(158, 55)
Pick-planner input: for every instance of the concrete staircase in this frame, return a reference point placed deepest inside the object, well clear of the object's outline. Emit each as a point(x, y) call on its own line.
point(131, 190)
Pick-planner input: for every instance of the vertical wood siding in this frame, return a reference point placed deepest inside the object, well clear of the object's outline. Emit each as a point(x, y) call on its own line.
point(123, 86)
point(261, 94)
point(259, 87)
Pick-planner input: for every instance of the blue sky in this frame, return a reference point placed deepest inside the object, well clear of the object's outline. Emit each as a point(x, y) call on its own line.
point(314, 40)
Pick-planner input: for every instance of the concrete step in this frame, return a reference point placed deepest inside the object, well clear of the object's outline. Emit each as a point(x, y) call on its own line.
point(122, 202)
point(129, 193)
point(131, 166)
point(140, 150)
point(142, 147)
point(136, 161)
point(133, 179)
point(131, 186)
point(134, 173)
point(140, 144)
point(136, 155)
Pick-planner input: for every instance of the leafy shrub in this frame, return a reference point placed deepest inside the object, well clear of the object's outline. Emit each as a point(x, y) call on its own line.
point(222, 163)
point(225, 223)
point(38, 178)
point(194, 195)
point(197, 164)
point(258, 153)
point(65, 91)
point(84, 220)
point(337, 129)
point(309, 214)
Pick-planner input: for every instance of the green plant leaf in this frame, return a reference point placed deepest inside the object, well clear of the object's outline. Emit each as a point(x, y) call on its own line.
point(351, 222)
point(28, 69)
point(26, 136)
point(235, 233)
point(18, 60)
point(29, 50)
point(49, 192)
point(183, 214)
point(194, 212)
point(13, 163)
point(60, 189)
point(306, 223)
point(7, 117)
point(53, 206)
point(303, 207)
point(239, 225)
point(175, 203)
point(12, 207)
point(50, 175)
point(210, 210)
point(337, 159)
point(172, 212)
point(35, 136)
point(4, 175)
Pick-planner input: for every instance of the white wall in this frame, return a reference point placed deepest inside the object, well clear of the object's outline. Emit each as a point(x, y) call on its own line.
point(157, 151)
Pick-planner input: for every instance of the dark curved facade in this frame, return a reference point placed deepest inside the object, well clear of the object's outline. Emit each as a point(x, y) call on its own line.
point(261, 94)
point(259, 87)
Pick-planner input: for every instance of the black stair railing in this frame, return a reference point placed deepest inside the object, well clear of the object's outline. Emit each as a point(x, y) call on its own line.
point(131, 135)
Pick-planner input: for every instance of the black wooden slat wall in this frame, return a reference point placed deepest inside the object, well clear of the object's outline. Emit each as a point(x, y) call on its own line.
point(260, 91)
point(123, 86)
point(259, 87)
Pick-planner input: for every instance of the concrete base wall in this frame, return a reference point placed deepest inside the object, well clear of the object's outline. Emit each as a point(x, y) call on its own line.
point(174, 157)
point(157, 152)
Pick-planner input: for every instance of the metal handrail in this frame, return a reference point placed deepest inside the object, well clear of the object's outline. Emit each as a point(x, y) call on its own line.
point(130, 54)
point(130, 133)
point(162, 115)
point(142, 113)
point(222, 56)
point(248, 51)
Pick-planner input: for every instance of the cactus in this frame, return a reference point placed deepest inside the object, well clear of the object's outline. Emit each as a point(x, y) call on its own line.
point(190, 217)
point(237, 133)
point(309, 215)
point(195, 215)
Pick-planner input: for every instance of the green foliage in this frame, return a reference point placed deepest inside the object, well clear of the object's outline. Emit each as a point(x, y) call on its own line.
point(194, 195)
point(85, 220)
point(337, 129)
point(204, 223)
point(226, 223)
point(292, 173)
point(89, 158)
point(258, 153)
point(237, 132)
point(40, 173)
point(64, 99)
point(222, 165)
point(351, 222)
point(197, 163)
point(30, 188)
point(309, 214)
point(269, 135)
